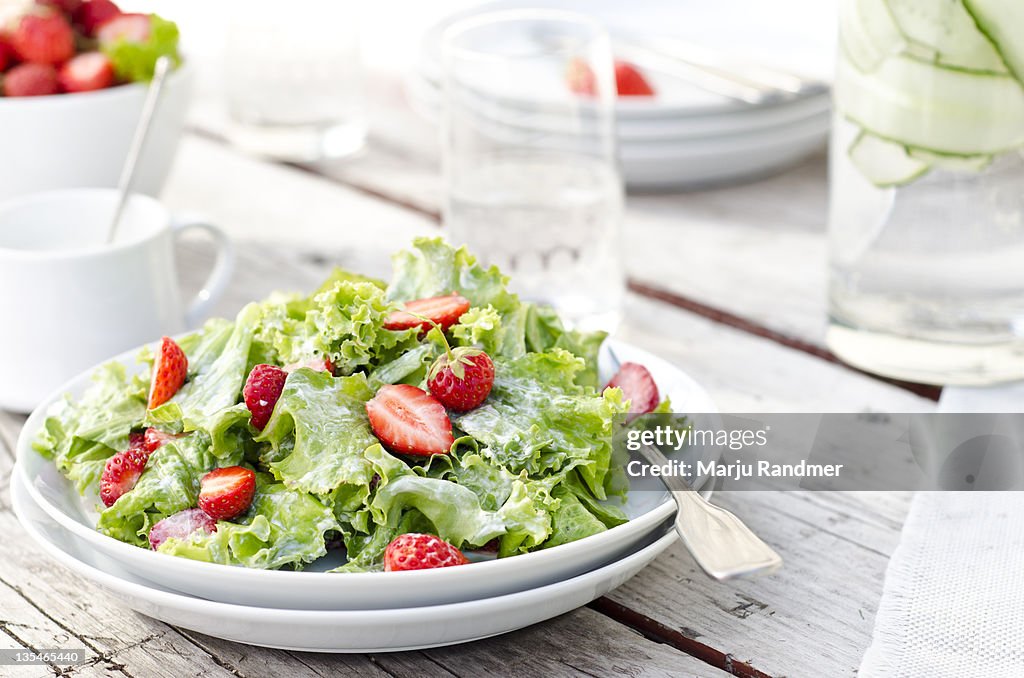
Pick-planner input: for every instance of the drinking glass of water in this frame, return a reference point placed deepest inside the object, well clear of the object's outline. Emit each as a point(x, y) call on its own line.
point(528, 139)
point(294, 87)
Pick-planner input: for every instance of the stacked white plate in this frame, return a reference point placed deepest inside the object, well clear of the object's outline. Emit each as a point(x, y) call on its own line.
point(685, 136)
point(359, 612)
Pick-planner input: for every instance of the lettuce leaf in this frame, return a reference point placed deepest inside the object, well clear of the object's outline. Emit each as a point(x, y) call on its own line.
point(538, 419)
point(283, 527)
point(170, 483)
point(136, 61)
point(326, 418)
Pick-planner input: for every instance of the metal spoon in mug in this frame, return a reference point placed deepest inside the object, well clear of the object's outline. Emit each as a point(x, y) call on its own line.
point(719, 541)
point(149, 106)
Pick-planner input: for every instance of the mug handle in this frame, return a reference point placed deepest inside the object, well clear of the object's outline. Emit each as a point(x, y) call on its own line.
point(215, 284)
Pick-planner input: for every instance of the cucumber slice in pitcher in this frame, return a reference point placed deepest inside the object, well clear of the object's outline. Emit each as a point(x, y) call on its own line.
point(953, 163)
point(884, 163)
point(1003, 22)
point(948, 28)
point(944, 110)
point(869, 33)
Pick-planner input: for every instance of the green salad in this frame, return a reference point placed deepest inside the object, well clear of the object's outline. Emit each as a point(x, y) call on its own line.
point(438, 406)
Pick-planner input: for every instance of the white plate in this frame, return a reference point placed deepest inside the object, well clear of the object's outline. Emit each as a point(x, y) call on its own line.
point(330, 631)
point(648, 506)
point(793, 35)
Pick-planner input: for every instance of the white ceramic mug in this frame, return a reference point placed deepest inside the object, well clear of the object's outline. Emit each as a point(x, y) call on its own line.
point(68, 300)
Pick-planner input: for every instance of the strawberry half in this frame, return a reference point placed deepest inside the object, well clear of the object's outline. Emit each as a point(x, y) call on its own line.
point(43, 37)
point(92, 14)
point(169, 372)
point(225, 493)
point(423, 313)
point(261, 392)
point(30, 80)
point(121, 473)
point(180, 526)
point(461, 379)
point(316, 364)
point(414, 551)
point(408, 420)
point(630, 82)
point(638, 387)
point(86, 72)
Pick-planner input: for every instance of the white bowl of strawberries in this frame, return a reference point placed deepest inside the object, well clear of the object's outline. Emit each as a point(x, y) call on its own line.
point(73, 77)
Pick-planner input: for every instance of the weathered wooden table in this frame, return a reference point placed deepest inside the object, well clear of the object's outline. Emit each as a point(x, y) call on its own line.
point(728, 284)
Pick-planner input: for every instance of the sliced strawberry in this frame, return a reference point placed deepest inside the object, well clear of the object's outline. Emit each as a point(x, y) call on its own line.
point(463, 380)
point(30, 80)
point(154, 439)
point(261, 392)
point(180, 526)
point(225, 493)
point(445, 311)
point(169, 372)
point(134, 28)
point(408, 420)
point(638, 387)
point(92, 14)
point(86, 72)
point(120, 474)
point(318, 364)
point(630, 81)
point(43, 37)
point(414, 551)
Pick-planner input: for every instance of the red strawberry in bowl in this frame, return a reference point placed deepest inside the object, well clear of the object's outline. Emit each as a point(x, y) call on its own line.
point(169, 372)
point(7, 55)
point(461, 378)
point(408, 420)
point(443, 311)
point(226, 493)
point(134, 28)
point(43, 36)
point(30, 80)
point(414, 551)
point(261, 392)
point(86, 72)
point(92, 14)
point(120, 474)
point(180, 526)
point(638, 388)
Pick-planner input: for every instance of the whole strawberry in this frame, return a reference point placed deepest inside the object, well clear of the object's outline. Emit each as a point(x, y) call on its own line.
point(30, 80)
point(261, 392)
point(461, 378)
point(43, 37)
point(414, 551)
point(92, 14)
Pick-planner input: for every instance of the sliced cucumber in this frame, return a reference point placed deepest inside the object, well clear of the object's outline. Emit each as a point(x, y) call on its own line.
point(884, 163)
point(868, 33)
point(947, 27)
point(953, 163)
point(1003, 22)
point(942, 109)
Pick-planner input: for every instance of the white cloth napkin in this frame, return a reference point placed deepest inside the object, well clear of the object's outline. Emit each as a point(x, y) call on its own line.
point(953, 600)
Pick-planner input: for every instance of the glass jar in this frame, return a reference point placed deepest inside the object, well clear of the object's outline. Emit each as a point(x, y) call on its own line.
point(926, 216)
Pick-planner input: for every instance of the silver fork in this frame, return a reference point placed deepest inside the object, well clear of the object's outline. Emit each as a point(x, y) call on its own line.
point(719, 541)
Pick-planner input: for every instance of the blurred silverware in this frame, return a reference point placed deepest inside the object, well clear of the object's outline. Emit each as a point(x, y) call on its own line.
point(149, 106)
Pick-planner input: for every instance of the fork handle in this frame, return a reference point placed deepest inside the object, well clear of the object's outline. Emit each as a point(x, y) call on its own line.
point(720, 543)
